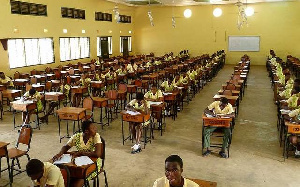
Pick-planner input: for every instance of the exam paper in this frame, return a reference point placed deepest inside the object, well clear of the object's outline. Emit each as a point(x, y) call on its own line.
point(83, 160)
point(65, 158)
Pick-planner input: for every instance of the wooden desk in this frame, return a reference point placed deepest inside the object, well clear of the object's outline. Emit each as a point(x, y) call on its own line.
point(70, 113)
point(38, 87)
point(290, 128)
point(234, 92)
point(3, 87)
point(23, 106)
point(100, 102)
point(131, 89)
point(81, 172)
point(96, 86)
point(216, 122)
point(238, 87)
point(11, 94)
point(4, 153)
point(203, 183)
point(20, 83)
point(139, 118)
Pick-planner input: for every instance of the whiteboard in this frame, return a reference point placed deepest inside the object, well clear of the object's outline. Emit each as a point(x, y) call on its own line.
point(243, 43)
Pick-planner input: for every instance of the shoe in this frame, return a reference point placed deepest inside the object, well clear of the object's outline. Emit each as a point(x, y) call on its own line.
point(206, 153)
point(136, 148)
point(222, 154)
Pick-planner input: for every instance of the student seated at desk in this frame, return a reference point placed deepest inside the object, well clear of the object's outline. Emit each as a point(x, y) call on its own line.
point(224, 108)
point(154, 95)
point(173, 171)
point(140, 105)
point(132, 67)
point(167, 85)
point(34, 95)
point(87, 143)
point(44, 174)
point(122, 70)
point(5, 80)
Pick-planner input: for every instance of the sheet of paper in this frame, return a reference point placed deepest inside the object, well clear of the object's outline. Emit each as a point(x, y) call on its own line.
point(132, 112)
point(154, 103)
point(209, 116)
point(283, 111)
point(65, 158)
point(83, 160)
point(167, 93)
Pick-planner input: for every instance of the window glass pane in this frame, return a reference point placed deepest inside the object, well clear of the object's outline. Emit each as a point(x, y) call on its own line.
point(110, 45)
point(46, 50)
point(75, 51)
point(129, 43)
point(16, 53)
point(98, 46)
point(27, 52)
point(31, 52)
point(121, 44)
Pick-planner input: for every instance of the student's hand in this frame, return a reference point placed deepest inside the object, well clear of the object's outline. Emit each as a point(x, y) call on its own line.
point(57, 157)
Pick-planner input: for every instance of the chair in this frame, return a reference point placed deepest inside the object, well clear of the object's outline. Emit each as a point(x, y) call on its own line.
point(227, 92)
point(112, 96)
point(48, 86)
point(17, 75)
point(89, 105)
point(65, 174)
point(230, 86)
point(157, 113)
point(28, 87)
point(15, 153)
point(102, 170)
point(33, 80)
point(122, 94)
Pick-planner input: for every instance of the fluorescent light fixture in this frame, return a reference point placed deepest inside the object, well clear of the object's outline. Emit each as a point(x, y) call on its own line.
point(249, 11)
point(187, 13)
point(120, 31)
point(83, 31)
point(16, 30)
point(217, 12)
point(129, 32)
point(65, 30)
point(110, 31)
point(45, 30)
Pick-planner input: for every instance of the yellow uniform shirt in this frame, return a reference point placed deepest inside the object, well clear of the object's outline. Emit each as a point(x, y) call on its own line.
point(166, 86)
point(293, 101)
point(51, 176)
point(150, 95)
point(286, 93)
point(164, 182)
point(6, 80)
point(215, 106)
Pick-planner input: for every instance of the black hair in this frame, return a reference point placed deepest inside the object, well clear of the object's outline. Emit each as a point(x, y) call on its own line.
point(85, 125)
point(34, 166)
point(224, 100)
point(139, 96)
point(111, 68)
point(131, 61)
point(174, 158)
point(297, 81)
point(32, 91)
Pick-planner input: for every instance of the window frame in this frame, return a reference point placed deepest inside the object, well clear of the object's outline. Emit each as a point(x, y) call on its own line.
point(25, 51)
point(89, 56)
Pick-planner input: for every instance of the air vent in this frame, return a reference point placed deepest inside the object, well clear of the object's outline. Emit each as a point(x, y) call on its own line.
point(141, 2)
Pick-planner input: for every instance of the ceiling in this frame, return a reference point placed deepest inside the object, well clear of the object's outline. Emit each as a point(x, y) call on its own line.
point(187, 2)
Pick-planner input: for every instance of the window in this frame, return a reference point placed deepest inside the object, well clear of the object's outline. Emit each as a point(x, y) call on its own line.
point(129, 43)
point(28, 52)
point(109, 38)
point(74, 48)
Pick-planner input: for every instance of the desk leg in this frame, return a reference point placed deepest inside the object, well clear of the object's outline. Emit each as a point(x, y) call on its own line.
point(145, 136)
point(123, 139)
point(14, 114)
point(59, 129)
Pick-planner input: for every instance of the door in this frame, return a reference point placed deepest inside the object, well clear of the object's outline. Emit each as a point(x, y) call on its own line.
point(104, 47)
point(125, 47)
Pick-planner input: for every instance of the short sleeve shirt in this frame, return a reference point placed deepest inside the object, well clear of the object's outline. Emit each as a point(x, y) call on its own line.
point(150, 95)
point(216, 107)
point(77, 140)
point(134, 103)
point(51, 176)
point(164, 182)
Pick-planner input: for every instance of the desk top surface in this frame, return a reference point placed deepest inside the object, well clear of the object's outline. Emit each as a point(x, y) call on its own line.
point(217, 96)
point(3, 144)
point(99, 99)
point(10, 91)
point(71, 110)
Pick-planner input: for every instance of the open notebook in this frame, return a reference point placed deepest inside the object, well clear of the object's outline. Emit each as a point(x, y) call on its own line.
point(79, 161)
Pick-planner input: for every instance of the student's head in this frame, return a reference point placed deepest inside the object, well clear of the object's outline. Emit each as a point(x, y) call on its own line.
point(89, 128)
point(224, 101)
point(131, 61)
point(111, 69)
point(35, 169)
point(123, 66)
point(2, 75)
point(174, 169)
point(139, 96)
point(32, 91)
point(296, 83)
point(153, 89)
